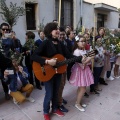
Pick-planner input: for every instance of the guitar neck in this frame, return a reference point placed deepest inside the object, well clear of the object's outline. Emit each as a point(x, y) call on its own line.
point(74, 59)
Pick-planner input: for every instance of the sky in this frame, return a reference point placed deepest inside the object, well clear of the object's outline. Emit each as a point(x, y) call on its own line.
point(115, 3)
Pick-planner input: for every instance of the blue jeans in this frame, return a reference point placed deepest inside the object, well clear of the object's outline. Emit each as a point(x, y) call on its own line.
point(51, 88)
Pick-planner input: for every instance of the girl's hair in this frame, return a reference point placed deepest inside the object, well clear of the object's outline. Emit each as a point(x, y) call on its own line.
point(100, 29)
point(76, 43)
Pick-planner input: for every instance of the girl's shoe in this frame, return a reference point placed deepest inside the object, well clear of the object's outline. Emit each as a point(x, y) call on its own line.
point(117, 77)
point(84, 105)
point(79, 108)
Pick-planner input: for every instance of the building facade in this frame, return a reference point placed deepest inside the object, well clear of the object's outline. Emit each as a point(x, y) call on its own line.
point(73, 12)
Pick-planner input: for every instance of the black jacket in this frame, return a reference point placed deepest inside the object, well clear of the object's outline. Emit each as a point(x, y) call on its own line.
point(48, 49)
point(4, 62)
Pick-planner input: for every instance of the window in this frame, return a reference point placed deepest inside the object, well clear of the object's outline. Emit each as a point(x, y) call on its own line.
point(30, 16)
point(100, 20)
point(119, 23)
point(66, 12)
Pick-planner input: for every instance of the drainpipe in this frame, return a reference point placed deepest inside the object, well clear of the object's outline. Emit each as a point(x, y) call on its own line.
point(81, 12)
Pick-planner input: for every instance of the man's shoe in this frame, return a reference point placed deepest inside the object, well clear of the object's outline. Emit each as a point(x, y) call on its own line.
point(63, 109)
point(64, 101)
point(7, 96)
point(46, 116)
point(58, 113)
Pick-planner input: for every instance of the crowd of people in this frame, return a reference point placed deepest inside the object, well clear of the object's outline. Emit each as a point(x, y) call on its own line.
point(91, 64)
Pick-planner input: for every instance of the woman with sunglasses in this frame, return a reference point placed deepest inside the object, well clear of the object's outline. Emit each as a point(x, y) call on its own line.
point(6, 47)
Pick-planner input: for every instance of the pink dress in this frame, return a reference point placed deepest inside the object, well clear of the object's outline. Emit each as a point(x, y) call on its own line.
point(81, 75)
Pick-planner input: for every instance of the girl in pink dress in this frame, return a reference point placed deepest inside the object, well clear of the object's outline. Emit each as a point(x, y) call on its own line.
point(81, 76)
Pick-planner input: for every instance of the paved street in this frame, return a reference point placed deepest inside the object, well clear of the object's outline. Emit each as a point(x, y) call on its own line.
point(103, 107)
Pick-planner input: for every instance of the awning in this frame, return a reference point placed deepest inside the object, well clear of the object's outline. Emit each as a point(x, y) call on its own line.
point(105, 7)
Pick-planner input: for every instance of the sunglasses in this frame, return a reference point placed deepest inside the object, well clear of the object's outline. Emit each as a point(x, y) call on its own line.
point(5, 29)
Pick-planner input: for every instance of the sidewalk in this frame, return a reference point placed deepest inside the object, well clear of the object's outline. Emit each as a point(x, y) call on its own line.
point(103, 107)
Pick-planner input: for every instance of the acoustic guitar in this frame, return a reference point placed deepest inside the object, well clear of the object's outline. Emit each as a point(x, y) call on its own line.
point(46, 72)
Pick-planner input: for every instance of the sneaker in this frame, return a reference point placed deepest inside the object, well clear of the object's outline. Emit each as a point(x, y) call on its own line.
point(63, 109)
point(64, 101)
point(58, 113)
point(14, 101)
point(116, 77)
point(30, 99)
point(46, 116)
point(110, 78)
point(79, 108)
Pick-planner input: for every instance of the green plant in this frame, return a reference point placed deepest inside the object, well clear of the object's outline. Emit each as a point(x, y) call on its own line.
point(11, 13)
point(41, 26)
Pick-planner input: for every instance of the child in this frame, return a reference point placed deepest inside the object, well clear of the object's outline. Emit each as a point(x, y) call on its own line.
point(98, 65)
point(81, 74)
point(116, 68)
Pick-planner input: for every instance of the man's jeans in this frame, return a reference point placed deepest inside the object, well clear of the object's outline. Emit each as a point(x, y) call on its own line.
point(51, 88)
